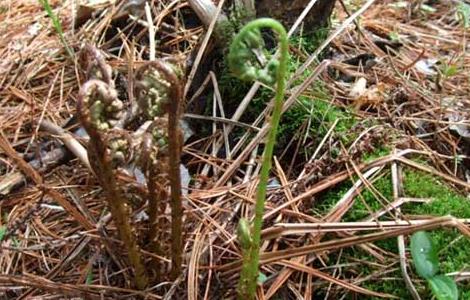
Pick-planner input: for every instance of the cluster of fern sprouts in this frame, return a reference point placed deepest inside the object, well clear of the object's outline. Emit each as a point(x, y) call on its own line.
point(158, 92)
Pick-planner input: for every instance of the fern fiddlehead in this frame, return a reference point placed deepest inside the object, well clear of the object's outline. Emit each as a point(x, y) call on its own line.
point(243, 64)
point(160, 93)
point(99, 108)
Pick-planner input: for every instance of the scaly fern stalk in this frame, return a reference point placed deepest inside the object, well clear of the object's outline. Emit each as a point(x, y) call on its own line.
point(240, 60)
point(99, 107)
point(174, 147)
point(163, 95)
point(96, 66)
point(155, 164)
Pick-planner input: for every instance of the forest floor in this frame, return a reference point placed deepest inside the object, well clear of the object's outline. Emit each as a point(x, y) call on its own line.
point(374, 146)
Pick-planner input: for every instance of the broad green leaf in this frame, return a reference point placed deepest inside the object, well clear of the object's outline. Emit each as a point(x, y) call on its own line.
point(424, 255)
point(444, 287)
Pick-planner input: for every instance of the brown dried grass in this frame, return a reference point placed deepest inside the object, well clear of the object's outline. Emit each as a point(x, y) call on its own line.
point(58, 242)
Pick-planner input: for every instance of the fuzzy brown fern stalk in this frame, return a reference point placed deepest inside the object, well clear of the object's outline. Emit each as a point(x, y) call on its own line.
point(159, 96)
point(154, 163)
point(95, 65)
point(99, 109)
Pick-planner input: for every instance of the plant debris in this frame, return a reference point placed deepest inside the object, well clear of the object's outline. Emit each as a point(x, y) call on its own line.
point(410, 105)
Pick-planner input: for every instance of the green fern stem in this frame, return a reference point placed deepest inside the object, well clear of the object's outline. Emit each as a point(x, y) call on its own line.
point(274, 71)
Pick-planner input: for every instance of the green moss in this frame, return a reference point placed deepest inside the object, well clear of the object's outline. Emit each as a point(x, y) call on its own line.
point(326, 201)
point(316, 111)
point(307, 44)
point(363, 204)
point(379, 152)
point(454, 254)
point(393, 285)
point(225, 30)
point(361, 210)
point(446, 200)
point(314, 107)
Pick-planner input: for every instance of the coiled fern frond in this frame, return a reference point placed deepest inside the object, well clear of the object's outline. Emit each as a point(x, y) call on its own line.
point(246, 65)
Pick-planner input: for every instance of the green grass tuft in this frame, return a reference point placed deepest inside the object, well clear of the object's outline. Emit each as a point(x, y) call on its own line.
point(57, 26)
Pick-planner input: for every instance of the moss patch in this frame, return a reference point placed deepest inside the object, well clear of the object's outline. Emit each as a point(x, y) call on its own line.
point(454, 254)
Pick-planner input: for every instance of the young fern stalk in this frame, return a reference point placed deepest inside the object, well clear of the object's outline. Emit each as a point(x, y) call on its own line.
point(156, 184)
point(240, 60)
point(98, 105)
point(174, 147)
point(159, 101)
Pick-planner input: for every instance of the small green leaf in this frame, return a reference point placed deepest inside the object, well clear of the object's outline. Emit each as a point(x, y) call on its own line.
point(3, 230)
point(428, 8)
point(89, 277)
point(424, 255)
point(244, 234)
point(262, 278)
point(444, 287)
point(394, 36)
point(450, 70)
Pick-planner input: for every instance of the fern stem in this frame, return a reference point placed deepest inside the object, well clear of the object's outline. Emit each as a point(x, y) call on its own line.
point(250, 269)
point(102, 166)
point(174, 149)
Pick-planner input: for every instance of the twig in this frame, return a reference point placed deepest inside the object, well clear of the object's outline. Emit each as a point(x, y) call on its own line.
point(69, 141)
point(349, 241)
point(151, 28)
point(210, 29)
point(397, 193)
point(38, 180)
